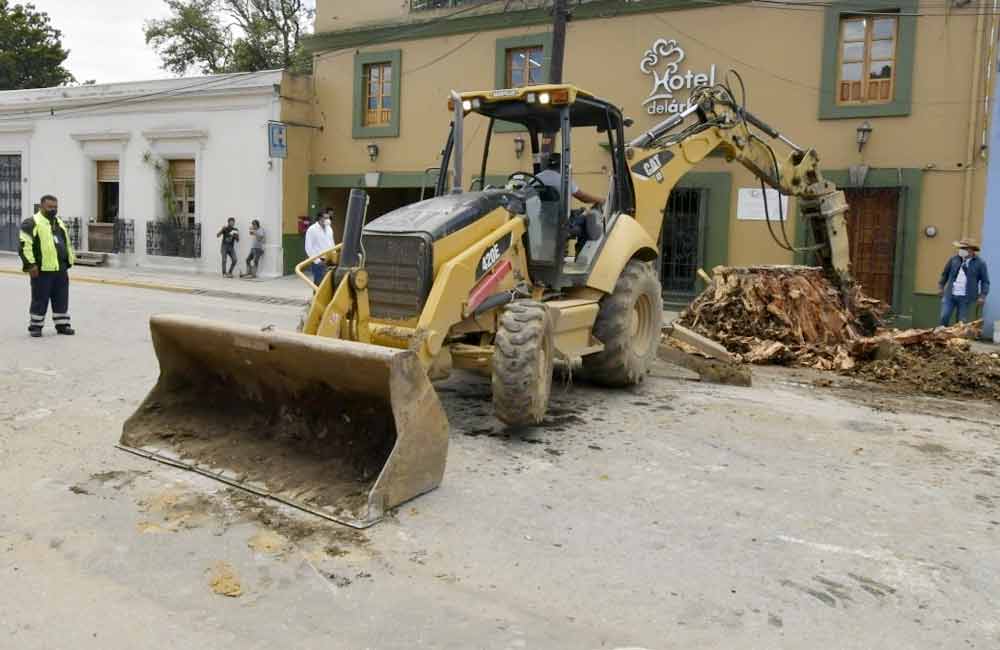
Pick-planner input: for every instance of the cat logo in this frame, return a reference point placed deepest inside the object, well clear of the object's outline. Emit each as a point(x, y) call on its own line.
point(492, 255)
point(652, 167)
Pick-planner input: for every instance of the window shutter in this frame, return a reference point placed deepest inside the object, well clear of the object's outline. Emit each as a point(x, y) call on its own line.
point(107, 171)
point(182, 169)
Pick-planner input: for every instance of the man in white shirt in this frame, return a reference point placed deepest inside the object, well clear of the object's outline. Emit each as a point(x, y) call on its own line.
point(552, 177)
point(319, 239)
point(965, 281)
point(582, 226)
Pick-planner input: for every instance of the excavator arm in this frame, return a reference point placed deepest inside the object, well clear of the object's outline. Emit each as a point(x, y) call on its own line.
point(670, 149)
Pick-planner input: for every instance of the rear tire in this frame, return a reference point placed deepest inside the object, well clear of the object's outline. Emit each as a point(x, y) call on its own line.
point(628, 324)
point(522, 364)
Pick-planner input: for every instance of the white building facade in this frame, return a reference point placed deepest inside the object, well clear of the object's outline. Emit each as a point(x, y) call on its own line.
point(148, 172)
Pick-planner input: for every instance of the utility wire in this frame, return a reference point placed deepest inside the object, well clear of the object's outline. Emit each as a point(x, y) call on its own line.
point(443, 56)
point(859, 10)
point(774, 75)
point(81, 109)
point(404, 31)
point(133, 99)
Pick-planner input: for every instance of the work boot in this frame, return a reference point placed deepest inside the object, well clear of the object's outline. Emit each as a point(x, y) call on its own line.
point(67, 330)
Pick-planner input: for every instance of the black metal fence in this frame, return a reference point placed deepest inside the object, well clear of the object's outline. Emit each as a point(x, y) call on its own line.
point(171, 240)
point(73, 226)
point(125, 236)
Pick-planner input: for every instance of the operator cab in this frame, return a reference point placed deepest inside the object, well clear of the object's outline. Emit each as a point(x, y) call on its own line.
point(551, 114)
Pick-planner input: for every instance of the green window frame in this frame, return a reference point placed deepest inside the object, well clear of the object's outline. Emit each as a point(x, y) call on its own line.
point(900, 105)
point(503, 45)
point(361, 61)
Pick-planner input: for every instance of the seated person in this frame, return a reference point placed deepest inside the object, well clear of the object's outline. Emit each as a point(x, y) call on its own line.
point(584, 224)
point(552, 177)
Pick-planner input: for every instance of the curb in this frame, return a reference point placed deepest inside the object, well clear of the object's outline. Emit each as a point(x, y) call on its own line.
point(173, 288)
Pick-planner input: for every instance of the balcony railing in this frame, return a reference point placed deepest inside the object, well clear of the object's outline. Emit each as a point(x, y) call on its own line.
point(421, 5)
point(73, 226)
point(125, 236)
point(171, 240)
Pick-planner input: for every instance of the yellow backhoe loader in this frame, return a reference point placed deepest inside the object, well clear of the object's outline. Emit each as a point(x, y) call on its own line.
point(341, 418)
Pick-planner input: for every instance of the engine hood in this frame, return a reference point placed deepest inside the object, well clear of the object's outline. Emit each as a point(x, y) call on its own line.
point(440, 216)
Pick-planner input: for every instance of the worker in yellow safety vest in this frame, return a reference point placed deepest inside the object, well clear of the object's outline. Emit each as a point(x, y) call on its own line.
point(47, 255)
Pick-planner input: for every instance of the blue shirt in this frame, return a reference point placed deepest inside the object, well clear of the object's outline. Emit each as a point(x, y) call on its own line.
point(977, 277)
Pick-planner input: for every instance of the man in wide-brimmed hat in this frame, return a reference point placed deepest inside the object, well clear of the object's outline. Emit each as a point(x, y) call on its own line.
point(964, 282)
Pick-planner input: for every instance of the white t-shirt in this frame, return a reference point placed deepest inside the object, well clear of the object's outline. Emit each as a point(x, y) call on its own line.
point(959, 286)
point(553, 179)
point(318, 239)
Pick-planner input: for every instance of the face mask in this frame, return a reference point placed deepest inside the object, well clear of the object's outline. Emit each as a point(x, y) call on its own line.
point(963, 253)
point(325, 222)
point(51, 213)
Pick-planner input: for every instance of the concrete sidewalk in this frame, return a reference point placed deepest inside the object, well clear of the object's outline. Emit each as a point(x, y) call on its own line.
point(287, 290)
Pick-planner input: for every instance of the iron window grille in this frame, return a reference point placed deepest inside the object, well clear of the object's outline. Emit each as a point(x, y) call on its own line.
point(172, 240)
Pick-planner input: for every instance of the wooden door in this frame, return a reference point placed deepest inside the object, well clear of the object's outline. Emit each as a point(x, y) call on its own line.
point(872, 221)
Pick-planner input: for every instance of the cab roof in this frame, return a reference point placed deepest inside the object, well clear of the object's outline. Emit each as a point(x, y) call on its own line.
point(537, 107)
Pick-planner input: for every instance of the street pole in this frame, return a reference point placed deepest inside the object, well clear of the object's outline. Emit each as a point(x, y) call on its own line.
point(560, 14)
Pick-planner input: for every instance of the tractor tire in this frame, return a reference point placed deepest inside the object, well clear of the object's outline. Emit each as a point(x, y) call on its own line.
point(522, 364)
point(628, 324)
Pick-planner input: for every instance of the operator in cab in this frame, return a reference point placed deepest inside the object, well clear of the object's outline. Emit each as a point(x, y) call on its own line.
point(552, 177)
point(583, 225)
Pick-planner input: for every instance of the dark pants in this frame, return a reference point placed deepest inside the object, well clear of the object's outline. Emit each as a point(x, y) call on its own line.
point(49, 286)
point(253, 260)
point(319, 272)
point(228, 252)
point(950, 303)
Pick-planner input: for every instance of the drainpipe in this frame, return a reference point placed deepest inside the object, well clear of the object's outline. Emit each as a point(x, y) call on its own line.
point(970, 141)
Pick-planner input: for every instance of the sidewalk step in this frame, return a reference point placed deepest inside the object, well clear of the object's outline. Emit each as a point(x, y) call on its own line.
point(84, 258)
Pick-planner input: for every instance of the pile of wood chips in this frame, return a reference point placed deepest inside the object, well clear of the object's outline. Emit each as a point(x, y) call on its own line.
point(793, 315)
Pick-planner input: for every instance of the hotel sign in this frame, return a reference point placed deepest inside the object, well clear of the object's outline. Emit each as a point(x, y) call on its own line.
point(662, 61)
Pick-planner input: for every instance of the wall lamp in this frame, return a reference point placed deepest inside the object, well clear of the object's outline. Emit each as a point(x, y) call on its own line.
point(373, 151)
point(864, 132)
point(518, 146)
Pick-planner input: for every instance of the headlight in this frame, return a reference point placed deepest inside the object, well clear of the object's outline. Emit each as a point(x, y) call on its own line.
point(543, 98)
point(467, 105)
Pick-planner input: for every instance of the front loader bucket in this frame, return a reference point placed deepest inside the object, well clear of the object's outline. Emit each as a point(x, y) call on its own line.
point(340, 429)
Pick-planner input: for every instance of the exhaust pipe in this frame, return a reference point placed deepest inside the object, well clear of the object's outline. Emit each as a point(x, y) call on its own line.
point(354, 224)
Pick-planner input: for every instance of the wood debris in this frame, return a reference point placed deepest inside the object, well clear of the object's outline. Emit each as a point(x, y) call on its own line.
point(793, 315)
point(780, 314)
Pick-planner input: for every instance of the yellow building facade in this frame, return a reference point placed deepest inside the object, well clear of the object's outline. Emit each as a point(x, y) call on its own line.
point(917, 77)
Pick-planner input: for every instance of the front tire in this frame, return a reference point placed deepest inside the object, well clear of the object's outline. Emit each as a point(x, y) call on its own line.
point(522, 364)
point(628, 324)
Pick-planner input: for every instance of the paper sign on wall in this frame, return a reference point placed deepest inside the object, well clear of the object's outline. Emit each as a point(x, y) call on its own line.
point(750, 205)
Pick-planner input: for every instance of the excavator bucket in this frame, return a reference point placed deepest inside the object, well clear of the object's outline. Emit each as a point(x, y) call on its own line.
point(340, 429)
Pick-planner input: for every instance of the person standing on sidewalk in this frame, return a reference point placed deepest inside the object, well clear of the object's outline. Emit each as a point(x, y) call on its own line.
point(319, 239)
point(964, 281)
point(230, 235)
point(47, 255)
point(256, 249)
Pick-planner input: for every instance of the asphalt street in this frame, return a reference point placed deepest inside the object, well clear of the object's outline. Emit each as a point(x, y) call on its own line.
point(674, 515)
